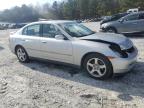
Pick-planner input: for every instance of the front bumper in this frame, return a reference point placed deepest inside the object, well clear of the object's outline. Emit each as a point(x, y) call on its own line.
point(102, 29)
point(124, 65)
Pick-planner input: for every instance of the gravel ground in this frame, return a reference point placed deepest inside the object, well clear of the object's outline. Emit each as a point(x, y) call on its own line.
point(45, 85)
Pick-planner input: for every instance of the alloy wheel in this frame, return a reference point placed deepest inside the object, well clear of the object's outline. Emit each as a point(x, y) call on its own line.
point(96, 67)
point(21, 54)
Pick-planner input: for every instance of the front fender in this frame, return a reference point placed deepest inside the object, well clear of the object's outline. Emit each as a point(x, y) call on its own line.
point(80, 50)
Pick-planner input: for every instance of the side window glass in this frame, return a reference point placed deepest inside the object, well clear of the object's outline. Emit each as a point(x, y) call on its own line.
point(33, 30)
point(141, 16)
point(132, 17)
point(24, 31)
point(50, 31)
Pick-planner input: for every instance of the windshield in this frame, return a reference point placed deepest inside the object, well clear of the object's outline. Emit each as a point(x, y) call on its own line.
point(118, 16)
point(76, 29)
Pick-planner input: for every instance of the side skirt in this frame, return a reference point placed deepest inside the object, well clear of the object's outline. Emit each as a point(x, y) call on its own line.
point(55, 62)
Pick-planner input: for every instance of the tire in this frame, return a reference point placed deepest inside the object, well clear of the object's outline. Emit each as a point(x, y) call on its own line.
point(22, 55)
point(111, 30)
point(98, 66)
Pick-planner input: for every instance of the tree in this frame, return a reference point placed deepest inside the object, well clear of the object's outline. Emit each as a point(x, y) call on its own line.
point(20, 14)
point(69, 9)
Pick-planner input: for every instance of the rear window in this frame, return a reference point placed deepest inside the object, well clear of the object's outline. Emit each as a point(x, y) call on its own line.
point(32, 30)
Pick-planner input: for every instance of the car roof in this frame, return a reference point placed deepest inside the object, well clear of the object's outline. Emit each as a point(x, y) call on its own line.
point(53, 21)
point(121, 13)
point(137, 13)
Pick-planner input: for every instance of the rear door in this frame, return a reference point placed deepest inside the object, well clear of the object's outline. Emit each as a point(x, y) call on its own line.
point(30, 40)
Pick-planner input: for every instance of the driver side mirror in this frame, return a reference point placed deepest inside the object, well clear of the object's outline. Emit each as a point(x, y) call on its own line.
point(59, 37)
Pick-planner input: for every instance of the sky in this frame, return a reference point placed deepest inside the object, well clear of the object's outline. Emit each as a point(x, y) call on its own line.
point(6, 4)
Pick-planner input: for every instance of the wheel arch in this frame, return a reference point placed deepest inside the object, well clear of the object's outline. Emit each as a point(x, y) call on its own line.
point(85, 55)
point(17, 47)
point(27, 56)
point(89, 53)
point(112, 27)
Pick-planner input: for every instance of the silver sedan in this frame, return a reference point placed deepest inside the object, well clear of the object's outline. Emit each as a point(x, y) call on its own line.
point(100, 54)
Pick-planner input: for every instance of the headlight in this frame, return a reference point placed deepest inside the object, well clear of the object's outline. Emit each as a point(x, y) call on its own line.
point(117, 49)
point(126, 44)
point(103, 25)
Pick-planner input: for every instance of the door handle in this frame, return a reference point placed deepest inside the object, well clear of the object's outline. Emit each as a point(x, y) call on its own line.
point(135, 23)
point(25, 40)
point(44, 42)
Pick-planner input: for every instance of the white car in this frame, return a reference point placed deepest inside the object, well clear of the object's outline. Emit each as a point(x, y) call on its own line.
point(100, 54)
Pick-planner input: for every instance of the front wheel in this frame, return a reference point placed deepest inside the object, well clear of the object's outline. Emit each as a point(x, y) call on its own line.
point(22, 55)
point(111, 30)
point(98, 66)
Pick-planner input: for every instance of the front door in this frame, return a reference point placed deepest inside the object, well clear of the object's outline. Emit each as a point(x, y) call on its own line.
point(141, 22)
point(130, 24)
point(54, 49)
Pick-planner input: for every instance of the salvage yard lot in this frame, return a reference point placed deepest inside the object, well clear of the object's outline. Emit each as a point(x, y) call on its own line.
point(45, 85)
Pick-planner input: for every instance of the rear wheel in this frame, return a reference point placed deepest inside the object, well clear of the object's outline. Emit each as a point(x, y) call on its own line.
point(22, 55)
point(98, 66)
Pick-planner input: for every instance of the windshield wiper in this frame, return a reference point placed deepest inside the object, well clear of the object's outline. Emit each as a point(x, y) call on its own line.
point(86, 35)
point(91, 33)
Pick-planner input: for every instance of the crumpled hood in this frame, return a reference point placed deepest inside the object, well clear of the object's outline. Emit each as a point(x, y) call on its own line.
point(119, 39)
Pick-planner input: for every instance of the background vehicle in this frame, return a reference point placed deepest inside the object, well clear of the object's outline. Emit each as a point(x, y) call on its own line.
point(16, 25)
point(2, 27)
point(135, 10)
point(113, 18)
point(132, 23)
point(100, 54)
